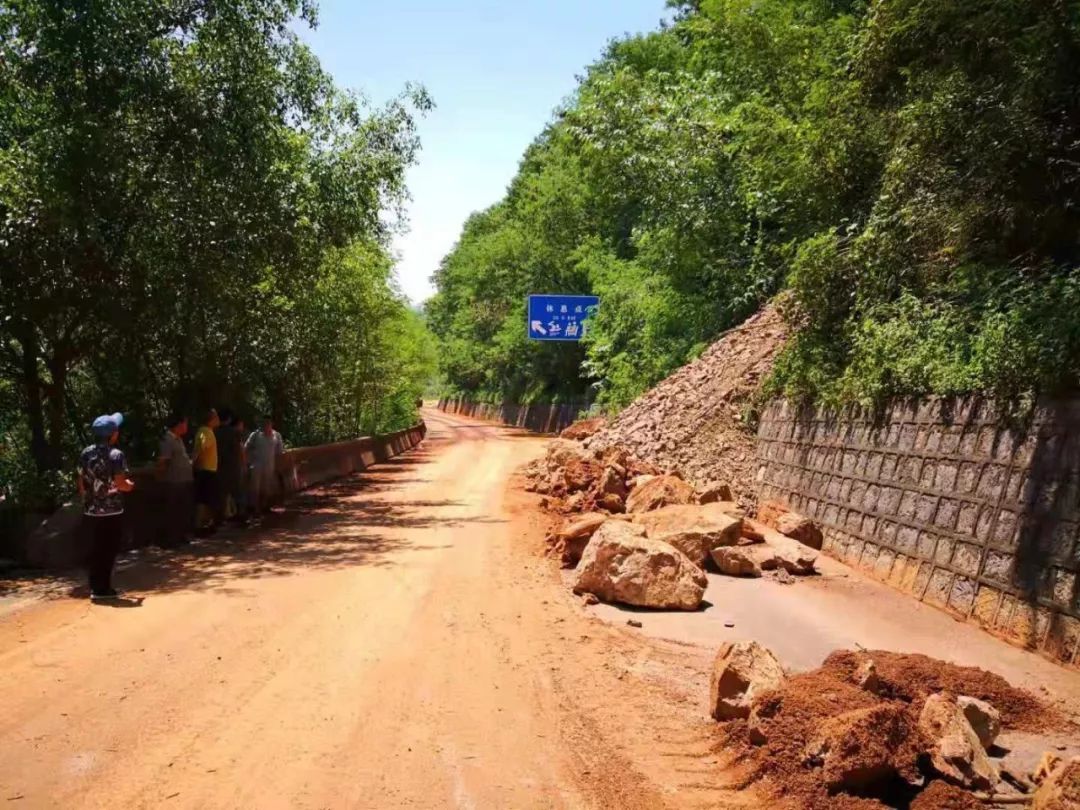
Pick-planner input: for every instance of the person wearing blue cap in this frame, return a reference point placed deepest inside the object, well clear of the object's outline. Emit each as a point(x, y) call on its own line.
point(103, 478)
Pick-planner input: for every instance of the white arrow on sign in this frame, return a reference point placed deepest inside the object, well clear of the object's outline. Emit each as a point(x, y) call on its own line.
point(538, 326)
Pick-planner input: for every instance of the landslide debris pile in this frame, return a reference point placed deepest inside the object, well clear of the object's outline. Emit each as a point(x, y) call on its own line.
point(693, 420)
point(640, 536)
point(878, 729)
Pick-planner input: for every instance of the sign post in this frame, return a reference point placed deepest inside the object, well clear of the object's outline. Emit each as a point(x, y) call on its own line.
point(560, 317)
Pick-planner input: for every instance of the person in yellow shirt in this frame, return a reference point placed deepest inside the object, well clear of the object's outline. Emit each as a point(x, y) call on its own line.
point(207, 487)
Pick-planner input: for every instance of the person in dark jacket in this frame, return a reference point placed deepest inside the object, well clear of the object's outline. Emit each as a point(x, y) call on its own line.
point(103, 479)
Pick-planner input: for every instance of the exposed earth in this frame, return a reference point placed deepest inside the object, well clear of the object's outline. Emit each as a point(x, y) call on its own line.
point(399, 639)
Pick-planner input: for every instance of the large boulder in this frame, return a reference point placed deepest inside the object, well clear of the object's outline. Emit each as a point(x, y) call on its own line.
point(984, 718)
point(734, 562)
point(694, 530)
point(864, 750)
point(955, 750)
point(741, 671)
point(769, 558)
point(621, 564)
point(790, 524)
point(658, 492)
point(561, 452)
point(1061, 788)
point(576, 534)
point(801, 528)
point(612, 481)
point(714, 492)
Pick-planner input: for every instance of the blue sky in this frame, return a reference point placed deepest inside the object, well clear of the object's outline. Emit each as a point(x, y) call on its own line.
point(496, 70)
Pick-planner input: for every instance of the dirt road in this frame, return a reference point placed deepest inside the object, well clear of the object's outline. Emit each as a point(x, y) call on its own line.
point(387, 642)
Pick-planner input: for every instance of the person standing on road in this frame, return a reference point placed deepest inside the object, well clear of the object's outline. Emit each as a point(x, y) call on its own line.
point(264, 447)
point(230, 448)
point(207, 486)
point(175, 476)
point(103, 478)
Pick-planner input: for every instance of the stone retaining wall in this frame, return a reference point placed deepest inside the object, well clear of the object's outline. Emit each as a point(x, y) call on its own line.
point(948, 501)
point(537, 418)
point(57, 542)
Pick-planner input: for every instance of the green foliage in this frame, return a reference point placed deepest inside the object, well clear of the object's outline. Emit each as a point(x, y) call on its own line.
point(191, 213)
point(909, 169)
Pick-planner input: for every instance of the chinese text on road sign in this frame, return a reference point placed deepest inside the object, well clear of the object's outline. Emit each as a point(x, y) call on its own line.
point(560, 317)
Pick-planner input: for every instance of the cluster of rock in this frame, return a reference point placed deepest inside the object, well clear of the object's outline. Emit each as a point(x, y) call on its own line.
point(867, 739)
point(696, 420)
point(643, 536)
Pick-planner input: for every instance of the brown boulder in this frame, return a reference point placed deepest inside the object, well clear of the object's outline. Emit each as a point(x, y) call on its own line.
point(612, 503)
point(769, 558)
point(984, 719)
point(861, 750)
point(581, 474)
point(790, 524)
point(714, 492)
point(741, 671)
point(612, 481)
point(955, 750)
point(800, 528)
point(694, 530)
point(561, 451)
point(734, 562)
point(621, 564)
point(575, 535)
point(1061, 788)
point(583, 429)
point(658, 492)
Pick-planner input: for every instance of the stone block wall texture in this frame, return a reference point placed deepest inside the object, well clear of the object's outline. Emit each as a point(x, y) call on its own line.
point(947, 500)
point(539, 418)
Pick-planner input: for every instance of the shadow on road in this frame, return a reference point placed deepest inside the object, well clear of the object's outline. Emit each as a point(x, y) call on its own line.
point(342, 524)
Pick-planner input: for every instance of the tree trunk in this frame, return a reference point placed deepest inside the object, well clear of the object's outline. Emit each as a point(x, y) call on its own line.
point(55, 407)
point(35, 414)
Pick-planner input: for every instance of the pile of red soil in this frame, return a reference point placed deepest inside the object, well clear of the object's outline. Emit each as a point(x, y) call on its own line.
point(943, 796)
point(912, 678)
point(695, 420)
point(787, 720)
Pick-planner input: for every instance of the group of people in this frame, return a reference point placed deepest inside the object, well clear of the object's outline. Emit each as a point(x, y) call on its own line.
point(227, 476)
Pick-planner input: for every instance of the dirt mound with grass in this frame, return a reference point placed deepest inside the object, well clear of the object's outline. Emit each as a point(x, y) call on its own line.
point(697, 420)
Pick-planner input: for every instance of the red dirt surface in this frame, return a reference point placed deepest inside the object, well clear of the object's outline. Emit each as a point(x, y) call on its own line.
point(943, 796)
point(911, 678)
point(583, 429)
point(792, 716)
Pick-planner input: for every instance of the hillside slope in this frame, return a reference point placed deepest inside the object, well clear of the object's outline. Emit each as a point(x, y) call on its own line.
point(693, 420)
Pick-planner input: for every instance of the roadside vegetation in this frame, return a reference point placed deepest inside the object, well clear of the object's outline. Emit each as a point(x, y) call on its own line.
point(193, 214)
point(908, 170)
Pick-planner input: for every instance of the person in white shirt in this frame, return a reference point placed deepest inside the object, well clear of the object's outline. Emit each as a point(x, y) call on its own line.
point(263, 448)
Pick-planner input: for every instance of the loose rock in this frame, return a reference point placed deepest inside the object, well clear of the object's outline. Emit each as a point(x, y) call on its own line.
point(741, 671)
point(658, 492)
point(621, 564)
point(800, 528)
point(575, 535)
point(984, 719)
point(734, 562)
point(692, 529)
point(955, 750)
point(714, 492)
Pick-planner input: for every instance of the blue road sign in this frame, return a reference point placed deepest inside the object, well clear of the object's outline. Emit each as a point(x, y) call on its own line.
point(560, 317)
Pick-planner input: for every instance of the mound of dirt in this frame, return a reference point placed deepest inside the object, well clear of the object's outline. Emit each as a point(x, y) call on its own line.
point(912, 678)
point(694, 420)
point(811, 740)
point(943, 796)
